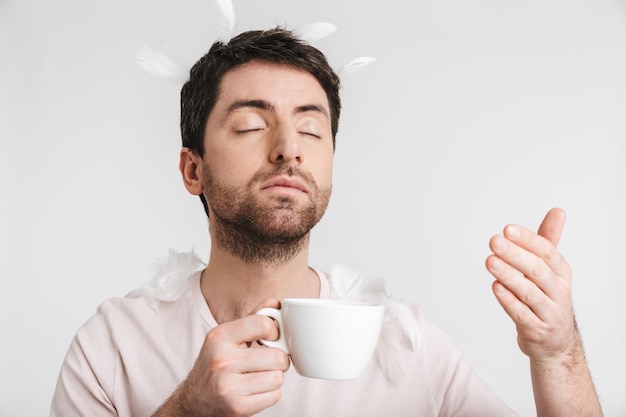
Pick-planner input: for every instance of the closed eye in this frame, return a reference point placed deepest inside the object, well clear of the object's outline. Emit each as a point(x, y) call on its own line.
point(249, 130)
point(310, 134)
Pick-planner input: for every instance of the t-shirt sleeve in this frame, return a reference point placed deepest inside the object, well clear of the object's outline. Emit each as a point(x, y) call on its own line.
point(85, 383)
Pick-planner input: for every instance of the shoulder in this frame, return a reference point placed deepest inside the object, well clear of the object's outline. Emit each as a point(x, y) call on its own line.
point(173, 287)
point(123, 318)
point(111, 352)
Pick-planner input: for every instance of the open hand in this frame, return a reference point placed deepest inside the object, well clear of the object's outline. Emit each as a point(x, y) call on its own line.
point(533, 285)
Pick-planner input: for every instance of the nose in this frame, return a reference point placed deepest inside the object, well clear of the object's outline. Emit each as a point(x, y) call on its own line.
point(285, 147)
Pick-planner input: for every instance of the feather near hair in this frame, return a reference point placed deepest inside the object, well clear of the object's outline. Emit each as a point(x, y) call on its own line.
point(159, 65)
point(227, 18)
point(356, 64)
point(312, 32)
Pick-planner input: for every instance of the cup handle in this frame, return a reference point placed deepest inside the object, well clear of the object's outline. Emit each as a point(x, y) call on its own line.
point(275, 314)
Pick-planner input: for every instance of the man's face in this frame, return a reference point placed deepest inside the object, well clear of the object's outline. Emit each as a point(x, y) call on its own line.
point(267, 168)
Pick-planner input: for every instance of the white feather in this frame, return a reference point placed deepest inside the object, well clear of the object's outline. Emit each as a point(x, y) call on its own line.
point(389, 352)
point(159, 65)
point(400, 332)
point(170, 277)
point(311, 32)
point(357, 64)
point(227, 18)
point(401, 312)
point(351, 284)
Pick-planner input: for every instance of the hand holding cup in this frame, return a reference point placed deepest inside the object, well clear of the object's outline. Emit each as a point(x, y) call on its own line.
point(327, 338)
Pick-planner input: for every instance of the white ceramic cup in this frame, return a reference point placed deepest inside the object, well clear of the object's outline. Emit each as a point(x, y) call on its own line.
point(327, 338)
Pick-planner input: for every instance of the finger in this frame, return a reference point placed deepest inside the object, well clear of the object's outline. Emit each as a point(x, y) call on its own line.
point(521, 288)
point(260, 402)
point(262, 327)
point(255, 403)
point(242, 331)
point(254, 383)
point(551, 227)
point(271, 302)
point(526, 264)
point(261, 359)
point(239, 359)
point(541, 247)
point(519, 312)
point(248, 394)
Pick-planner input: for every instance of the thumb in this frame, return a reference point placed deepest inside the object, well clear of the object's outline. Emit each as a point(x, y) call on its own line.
point(551, 227)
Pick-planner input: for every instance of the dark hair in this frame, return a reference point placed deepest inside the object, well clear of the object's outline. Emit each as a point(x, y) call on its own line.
point(199, 95)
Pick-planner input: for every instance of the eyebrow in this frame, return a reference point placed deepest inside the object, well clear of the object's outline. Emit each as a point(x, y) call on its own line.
point(267, 106)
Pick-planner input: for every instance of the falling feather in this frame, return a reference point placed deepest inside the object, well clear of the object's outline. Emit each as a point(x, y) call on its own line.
point(311, 32)
point(227, 19)
point(357, 64)
point(158, 64)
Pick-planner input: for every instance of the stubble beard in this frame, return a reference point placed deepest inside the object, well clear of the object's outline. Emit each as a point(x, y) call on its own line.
point(267, 232)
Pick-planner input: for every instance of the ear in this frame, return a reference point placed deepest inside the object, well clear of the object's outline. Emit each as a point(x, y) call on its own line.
point(190, 166)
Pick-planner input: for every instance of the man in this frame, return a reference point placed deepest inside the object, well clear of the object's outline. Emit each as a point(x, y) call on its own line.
point(259, 117)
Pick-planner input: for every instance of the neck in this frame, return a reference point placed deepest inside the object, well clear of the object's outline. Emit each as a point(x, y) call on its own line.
point(234, 286)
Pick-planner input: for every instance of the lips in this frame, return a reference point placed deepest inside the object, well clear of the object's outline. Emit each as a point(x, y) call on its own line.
point(285, 182)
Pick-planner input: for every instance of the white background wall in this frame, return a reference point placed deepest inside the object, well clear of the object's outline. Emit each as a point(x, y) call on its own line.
point(476, 114)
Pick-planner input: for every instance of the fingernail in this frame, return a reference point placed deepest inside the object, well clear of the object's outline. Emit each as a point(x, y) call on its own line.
point(496, 265)
point(499, 289)
point(499, 244)
point(512, 232)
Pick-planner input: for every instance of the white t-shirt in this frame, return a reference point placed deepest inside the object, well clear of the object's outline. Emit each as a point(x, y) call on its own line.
point(132, 354)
